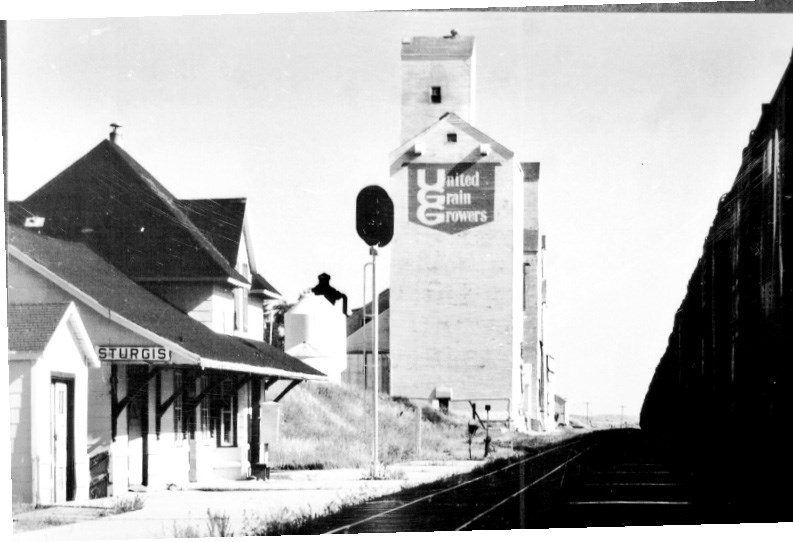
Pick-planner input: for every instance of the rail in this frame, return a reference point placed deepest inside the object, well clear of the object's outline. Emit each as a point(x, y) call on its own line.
point(515, 464)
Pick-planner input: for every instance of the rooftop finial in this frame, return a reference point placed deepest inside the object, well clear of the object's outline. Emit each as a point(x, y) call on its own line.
point(113, 133)
point(452, 34)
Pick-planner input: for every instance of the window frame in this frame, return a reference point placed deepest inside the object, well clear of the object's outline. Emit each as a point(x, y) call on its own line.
point(436, 97)
point(227, 400)
point(205, 412)
point(179, 425)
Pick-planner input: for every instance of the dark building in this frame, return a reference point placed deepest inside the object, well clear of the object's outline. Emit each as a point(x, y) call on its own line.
point(722, 393)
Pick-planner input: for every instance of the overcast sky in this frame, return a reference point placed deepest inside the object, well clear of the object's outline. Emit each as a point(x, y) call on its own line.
point(638, 122)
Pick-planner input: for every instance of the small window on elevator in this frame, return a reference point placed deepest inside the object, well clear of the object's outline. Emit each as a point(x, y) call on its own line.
point(435, 95)
point(451, 137)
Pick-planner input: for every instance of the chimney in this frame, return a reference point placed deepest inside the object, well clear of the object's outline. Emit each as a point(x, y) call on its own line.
point(113, 134)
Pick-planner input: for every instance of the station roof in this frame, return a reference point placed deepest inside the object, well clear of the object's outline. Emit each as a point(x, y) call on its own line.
point(111, 202)
point(96, 282)
point(222, 221)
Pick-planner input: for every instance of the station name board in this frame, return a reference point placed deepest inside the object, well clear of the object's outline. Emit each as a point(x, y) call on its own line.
point(133, 353)
point(451, 197)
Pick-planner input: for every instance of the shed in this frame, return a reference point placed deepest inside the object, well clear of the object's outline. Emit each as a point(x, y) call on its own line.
point(49, 354)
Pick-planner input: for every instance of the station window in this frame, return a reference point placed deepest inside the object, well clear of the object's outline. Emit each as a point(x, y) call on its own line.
point(227, 414)
point(240, 309)
point(435, 95)
point(178, 407)
point(205, 426)
point(451, 137)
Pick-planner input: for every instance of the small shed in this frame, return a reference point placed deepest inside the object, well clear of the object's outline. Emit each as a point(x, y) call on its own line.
point(315, 333)
point(49, 355)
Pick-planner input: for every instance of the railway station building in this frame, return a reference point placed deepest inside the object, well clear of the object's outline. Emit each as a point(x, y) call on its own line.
point(467, 292)
point(171, 381)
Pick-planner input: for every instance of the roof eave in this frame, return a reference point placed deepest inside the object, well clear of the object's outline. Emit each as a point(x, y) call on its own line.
point(222, 280)
point(208, 363)
point(24, 355)
point(461, 124)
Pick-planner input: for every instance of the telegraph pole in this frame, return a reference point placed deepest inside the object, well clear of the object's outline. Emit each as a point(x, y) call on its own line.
point(622, 414)
point(587, 413)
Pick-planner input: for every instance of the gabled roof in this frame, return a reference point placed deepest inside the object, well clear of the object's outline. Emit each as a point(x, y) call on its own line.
point(355, 320)
point(105, 288)
point(30, 326)
point(223, 222)
point(260, 285)
point(111, 202)
point(453, 121)
point(220, 220)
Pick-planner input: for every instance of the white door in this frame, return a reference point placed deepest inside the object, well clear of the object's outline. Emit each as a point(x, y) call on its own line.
point(60, 438)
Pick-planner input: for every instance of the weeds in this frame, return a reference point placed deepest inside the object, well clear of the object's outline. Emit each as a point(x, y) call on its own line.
point(289, 521)
point(123, 505)
point(218, 524)
point(53, 521)
point(187, 531)
point(385, 474)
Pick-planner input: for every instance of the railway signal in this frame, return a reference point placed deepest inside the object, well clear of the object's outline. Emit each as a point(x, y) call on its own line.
point(374, 222)
point(374, 216)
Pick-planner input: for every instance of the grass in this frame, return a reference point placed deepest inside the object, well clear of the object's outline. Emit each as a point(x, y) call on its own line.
point(326, 426)
point(122, 505)
point(218, 524)
point(385, 474)
point(289, 521)
point(28, 517)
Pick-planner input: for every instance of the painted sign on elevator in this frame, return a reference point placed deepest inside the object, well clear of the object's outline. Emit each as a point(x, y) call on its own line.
point(451, 197)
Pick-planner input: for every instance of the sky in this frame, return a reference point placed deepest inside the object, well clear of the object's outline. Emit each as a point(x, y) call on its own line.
point(638, 121)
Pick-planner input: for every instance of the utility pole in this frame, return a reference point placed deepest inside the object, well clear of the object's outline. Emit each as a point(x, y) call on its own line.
point(587, 412)
point(622, 414)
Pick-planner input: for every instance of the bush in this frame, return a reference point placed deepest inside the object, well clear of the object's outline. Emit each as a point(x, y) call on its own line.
point(123, 505)
point(218, 524)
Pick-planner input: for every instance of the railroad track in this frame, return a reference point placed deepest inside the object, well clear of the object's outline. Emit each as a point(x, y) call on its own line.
point(627, 481)
point(497, 499)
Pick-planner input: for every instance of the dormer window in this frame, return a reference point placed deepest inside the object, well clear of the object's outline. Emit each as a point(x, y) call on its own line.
point(435, 95)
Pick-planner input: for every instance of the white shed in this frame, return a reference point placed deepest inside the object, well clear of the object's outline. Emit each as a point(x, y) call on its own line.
point(49, 354)
point(316, 334)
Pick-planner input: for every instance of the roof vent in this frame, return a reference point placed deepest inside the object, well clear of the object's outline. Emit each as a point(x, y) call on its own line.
point(34, 222)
